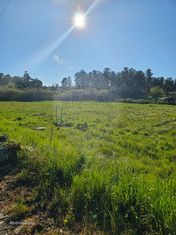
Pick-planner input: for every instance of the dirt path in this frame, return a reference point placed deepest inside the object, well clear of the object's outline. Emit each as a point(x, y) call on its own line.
point(18, 213)
point(33, 222)
point(6, 201)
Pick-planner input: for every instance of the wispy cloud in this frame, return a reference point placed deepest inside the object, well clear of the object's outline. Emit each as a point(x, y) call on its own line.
point(71, 67)
point(58, 59)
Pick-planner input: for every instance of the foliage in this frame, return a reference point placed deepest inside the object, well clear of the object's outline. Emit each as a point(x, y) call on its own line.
point(129, 83)
point(157, 92)
point(94, 85)
point(11, 94)
point(20, 82)
point(66, 82)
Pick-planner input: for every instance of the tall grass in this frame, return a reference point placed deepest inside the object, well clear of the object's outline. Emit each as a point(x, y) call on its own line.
point(118, 175)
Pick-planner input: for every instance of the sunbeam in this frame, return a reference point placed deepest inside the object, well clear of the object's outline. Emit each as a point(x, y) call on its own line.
point(92, 6)
point(47, 51)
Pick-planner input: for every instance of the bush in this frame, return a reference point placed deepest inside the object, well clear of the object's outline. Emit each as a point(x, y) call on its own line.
point(157, 92)
point(8, 94)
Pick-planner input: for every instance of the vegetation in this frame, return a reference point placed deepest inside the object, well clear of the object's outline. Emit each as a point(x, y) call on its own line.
point(129, 83)
point(107, 166)
point(95, 85)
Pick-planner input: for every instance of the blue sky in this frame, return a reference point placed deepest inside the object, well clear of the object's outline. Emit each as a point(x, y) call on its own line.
point(118, 33)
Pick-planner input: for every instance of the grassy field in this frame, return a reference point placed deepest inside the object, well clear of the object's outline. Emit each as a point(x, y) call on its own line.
point(108, 166)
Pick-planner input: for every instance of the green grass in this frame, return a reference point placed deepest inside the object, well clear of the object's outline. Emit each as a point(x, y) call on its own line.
point(110, 166)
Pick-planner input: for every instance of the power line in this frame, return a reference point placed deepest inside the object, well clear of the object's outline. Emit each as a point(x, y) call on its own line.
point(4, 8)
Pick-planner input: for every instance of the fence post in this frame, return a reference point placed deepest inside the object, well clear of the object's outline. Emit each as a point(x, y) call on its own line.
point(56, 115)
point(61, 116)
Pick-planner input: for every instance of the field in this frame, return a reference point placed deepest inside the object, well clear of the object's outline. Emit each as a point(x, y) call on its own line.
point(107, 166)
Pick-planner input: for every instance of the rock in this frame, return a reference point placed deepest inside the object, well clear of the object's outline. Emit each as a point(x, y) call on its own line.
point(8, 152)
point(40, 128)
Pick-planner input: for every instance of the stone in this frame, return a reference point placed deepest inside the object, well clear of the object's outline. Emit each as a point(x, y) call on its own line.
point(40, 128)
point(8, 152)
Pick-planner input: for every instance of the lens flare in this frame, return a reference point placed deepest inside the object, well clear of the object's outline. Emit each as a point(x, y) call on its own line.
point(80, 20)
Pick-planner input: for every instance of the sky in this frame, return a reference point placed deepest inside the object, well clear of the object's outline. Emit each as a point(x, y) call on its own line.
point(38, 36)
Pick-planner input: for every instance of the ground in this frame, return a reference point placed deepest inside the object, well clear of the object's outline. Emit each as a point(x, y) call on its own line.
point(90, 163)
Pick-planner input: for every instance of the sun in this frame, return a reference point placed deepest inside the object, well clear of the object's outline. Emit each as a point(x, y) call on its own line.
point(80, 20)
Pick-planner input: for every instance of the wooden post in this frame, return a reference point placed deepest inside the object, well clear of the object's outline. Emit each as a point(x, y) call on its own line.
point(61, 116)
point(51, 135)
point(56, 115)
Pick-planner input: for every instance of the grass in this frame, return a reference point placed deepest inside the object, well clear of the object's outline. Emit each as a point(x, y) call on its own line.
point(109, 166)
point(19, 210)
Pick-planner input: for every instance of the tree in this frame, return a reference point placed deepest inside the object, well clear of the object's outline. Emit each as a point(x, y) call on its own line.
point(69, 82)
point(111, 77)
point(139, 85)
point(2, 80)
point(158, 82)
point(174, 85)
point(131, 83)
point(149, 75)
point(64, 82)
point(169, 85)
point(26, 75)
point(36, 83)
point(82, 79)
point(26, 79)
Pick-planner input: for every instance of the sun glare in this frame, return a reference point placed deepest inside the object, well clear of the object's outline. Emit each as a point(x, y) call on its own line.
point(80, 20)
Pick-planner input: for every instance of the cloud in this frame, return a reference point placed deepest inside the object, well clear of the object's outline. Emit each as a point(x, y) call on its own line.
point(58, 59)
point(71, 67)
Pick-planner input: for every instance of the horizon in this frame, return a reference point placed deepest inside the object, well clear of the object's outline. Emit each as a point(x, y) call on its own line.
point(117, 34)
point(73, 77)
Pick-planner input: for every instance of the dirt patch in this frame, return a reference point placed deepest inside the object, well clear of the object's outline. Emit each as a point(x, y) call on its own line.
point(32, 222)
point(18, 213)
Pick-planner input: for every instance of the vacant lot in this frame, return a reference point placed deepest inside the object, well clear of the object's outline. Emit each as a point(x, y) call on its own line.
point(107, 166)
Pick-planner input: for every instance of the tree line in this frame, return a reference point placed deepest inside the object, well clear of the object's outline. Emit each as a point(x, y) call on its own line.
point(20, 82)
point(129, 83)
